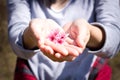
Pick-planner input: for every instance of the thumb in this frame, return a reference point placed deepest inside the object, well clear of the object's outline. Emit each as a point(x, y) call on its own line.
point(81, 37)
point(67, 26)
point(80, 41)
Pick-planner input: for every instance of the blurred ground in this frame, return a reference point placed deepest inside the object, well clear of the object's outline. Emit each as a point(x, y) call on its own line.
point(7, 58)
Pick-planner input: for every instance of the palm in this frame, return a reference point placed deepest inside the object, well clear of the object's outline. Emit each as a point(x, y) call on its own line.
point(79, 33)
point(50, 40)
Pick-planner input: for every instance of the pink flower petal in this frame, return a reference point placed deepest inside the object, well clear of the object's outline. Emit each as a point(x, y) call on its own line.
point(56, 36)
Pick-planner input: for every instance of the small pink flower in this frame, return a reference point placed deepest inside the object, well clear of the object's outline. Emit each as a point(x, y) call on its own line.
point(56, 36)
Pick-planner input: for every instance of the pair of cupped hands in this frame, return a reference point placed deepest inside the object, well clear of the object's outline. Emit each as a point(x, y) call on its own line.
point(58, 43)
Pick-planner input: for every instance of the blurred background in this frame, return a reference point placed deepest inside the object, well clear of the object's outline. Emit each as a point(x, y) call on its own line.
point(8, 58)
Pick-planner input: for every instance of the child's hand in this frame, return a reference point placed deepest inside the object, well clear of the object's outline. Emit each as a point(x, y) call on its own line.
point(62, 50)
point(54, 47)
point(79, 33)
point(38, 30)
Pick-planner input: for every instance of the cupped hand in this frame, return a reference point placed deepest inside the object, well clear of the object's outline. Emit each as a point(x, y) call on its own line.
point(79, 33)
point(62, 50)
point(38, 35)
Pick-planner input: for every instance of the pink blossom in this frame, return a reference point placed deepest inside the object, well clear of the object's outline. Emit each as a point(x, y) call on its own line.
point(56, 36)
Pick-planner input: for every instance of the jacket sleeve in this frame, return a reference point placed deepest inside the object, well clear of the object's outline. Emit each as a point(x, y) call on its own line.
point(108, 18)
point(18, 19)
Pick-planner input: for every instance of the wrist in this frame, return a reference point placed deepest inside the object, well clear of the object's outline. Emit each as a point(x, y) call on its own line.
point(97, 37)
point(28, 41)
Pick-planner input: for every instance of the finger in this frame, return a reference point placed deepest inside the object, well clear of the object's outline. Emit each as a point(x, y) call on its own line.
point(49, 52)
point(52, 55)
point(72, 50)
point(69, 58)
point(78, 49)
point(80, 41)
point(67, 26)
point(47, 49)
point(69, 40)
point(87, 38)
point(41, 42)
point(57, 47)
point(58, 55)
point(83, 39)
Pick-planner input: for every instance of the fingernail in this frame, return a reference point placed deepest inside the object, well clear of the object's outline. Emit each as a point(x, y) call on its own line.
point(58, 55)
point(70, 58)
